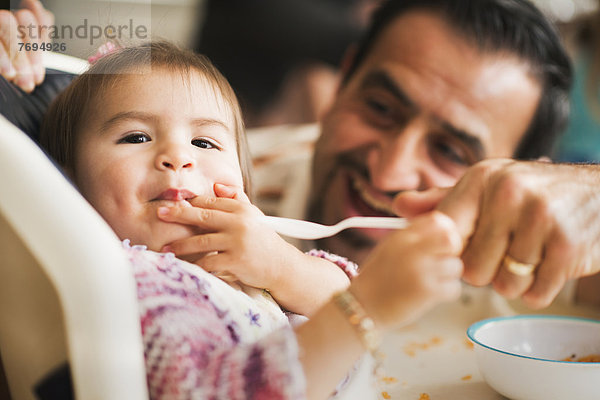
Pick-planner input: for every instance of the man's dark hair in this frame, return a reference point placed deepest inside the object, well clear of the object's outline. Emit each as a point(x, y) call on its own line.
point(513, 26)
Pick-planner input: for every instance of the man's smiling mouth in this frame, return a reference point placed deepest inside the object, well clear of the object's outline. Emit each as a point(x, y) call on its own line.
point(378, 202)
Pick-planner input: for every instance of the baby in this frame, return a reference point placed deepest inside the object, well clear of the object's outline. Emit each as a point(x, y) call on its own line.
point(152, 137)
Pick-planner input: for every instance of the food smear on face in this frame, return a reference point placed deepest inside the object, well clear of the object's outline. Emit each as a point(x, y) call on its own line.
point(588, 358)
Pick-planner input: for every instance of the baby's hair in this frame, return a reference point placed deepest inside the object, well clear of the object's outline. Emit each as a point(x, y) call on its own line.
point(64, 117)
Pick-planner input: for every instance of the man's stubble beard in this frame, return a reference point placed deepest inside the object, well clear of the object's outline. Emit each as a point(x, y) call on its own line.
point(349, 238)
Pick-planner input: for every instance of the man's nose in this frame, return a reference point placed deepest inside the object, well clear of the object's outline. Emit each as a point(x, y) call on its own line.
point(398, 162)
point(174, 157)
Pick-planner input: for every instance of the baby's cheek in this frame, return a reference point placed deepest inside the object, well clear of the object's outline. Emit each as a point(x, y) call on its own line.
point(230, 175)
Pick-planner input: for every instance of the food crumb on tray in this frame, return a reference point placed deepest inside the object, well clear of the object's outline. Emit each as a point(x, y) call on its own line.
point(389, 379)
point(411, 348)
point(588, 358)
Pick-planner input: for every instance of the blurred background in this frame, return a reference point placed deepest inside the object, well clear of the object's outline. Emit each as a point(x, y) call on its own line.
point(282, 56)
point(181, 20)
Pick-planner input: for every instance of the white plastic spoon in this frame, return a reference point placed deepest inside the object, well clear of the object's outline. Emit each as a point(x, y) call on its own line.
point(299, 229)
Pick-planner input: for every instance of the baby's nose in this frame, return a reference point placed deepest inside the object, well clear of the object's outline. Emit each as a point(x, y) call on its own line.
point(174, 160)
point(176, 166)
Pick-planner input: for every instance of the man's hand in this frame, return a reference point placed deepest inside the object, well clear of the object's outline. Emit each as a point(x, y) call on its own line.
point(539, 213)
point(24, 68)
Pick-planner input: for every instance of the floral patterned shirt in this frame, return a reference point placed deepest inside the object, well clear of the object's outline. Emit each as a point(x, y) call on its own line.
point(204, 339)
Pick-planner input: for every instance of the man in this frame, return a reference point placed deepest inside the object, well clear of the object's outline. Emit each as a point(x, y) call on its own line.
point(435, 87)
point(481, 79)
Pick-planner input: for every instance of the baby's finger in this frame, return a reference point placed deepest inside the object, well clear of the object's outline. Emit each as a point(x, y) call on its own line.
point(449, 268)
point(450, 290)
point(231, 192)
point(216, 203)
point(442, 233)
point(204, 243)
point(200, 217)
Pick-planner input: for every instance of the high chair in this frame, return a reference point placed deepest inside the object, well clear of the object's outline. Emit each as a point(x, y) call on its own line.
point(67, 292)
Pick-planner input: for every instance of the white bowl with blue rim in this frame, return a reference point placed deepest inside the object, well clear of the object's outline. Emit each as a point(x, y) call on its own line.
point(524, 357)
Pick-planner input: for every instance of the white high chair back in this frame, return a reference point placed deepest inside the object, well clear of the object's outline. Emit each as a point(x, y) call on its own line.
point(67, 292)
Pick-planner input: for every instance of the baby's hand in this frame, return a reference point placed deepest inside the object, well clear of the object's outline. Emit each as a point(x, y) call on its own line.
point(411, 271)
point(237, 246)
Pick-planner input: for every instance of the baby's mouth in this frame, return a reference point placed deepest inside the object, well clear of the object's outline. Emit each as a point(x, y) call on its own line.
point(177, 195)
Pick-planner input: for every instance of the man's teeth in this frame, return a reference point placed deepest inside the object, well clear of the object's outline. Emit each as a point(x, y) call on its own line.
point(361, 188)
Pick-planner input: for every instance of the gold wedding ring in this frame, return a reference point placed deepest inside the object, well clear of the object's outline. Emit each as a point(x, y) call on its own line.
point(516, 267)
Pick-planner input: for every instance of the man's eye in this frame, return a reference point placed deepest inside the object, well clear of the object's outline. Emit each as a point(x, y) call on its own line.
point(204, 144)
point(379, 107)
point(135, 138)
point(383, 113)
point(449, 152)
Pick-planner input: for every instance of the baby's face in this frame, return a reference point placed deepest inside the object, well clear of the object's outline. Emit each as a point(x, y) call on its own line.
point(155, 140)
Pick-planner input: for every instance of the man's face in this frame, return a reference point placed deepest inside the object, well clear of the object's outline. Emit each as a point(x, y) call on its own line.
point(422, 107)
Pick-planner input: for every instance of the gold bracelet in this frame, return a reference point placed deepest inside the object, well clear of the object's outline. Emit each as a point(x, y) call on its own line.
point(369, 336)
point(360, 321)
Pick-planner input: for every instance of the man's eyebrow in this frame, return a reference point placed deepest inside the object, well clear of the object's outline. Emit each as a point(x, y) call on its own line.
point(379, 78)
point(472, 141)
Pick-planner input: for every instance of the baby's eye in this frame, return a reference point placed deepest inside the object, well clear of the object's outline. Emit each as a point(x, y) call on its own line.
point(205, 144)
point(136, 137)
